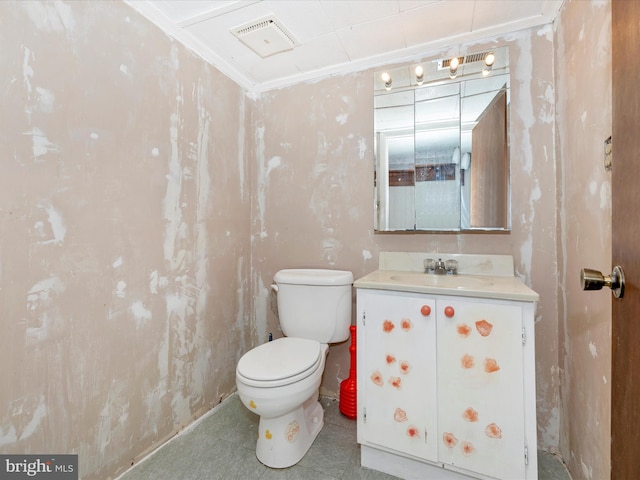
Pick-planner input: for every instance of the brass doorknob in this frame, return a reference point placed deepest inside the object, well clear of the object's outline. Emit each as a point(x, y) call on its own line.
point(595, 280)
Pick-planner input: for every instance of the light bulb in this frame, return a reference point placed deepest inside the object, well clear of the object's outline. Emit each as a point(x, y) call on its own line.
point(419, 75)
point(386, 78)
point(453, 67)
point(488, 64)
point(489, 59)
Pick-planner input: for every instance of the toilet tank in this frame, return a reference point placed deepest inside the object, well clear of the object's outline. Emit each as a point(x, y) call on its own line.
point(315, 303)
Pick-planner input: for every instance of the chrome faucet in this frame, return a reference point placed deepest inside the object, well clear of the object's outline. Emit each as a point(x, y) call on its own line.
point(449, 267)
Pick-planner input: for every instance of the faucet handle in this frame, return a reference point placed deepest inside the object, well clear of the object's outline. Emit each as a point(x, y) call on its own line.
point(452, 267)
point(429, 265)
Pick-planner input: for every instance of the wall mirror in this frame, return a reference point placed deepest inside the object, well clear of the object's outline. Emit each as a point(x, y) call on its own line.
point(442, 145)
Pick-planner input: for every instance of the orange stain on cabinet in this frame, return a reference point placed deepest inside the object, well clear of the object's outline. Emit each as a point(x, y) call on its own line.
point(390, 359)
point(400, 415)
point(467, 448)
point(490, 365)
point(376, 377)
point(406, 324)
point(484, 328)
point(396, 382)
point(493, 431)
point(387, 326)
point(405, 367)
point(413, 432)
point(467, 361)
point(470, 415)
point(449, 439)
point(464, 330)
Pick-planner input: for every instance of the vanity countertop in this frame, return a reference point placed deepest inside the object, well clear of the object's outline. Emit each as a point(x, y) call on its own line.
point(479, 276)
point(485, 286)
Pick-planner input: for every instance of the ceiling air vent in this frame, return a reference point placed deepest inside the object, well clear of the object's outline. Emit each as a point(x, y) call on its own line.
point(265, 36)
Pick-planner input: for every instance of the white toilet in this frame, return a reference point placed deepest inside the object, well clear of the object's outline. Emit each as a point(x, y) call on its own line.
point(280, 380)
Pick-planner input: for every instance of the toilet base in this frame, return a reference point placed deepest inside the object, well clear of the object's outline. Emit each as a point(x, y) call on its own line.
point(283, 441)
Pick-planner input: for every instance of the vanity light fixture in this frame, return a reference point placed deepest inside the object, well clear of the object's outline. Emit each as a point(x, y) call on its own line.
point(419, 75)
point(453, 67)
point(489, 60)
point(386, 78)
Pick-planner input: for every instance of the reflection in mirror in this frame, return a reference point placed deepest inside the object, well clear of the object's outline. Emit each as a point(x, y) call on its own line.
point(441, 153)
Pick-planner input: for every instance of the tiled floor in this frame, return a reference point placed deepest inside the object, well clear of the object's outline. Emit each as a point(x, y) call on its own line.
point(222, 446)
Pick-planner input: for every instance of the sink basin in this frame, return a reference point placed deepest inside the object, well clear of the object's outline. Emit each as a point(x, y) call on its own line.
point(445, 281)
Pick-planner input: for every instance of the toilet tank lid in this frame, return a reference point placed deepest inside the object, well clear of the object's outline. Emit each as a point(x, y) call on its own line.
point(313, 276)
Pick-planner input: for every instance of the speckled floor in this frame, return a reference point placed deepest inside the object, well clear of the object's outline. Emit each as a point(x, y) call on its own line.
point(222, 446)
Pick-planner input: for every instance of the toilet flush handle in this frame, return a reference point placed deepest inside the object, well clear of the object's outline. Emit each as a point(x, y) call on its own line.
point(274, 287)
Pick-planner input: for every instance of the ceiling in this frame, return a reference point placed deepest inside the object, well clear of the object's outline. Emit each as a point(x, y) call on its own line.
point(334, 36)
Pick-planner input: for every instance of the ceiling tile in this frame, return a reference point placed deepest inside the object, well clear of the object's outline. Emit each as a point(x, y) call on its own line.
point(344, 14)
point(405, 5)
point(496, 12)
point(367, 39)
point(437, 21)
point(319, 53)
point(306, 19)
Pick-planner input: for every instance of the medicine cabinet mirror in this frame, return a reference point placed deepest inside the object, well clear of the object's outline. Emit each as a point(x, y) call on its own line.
point(442, 145)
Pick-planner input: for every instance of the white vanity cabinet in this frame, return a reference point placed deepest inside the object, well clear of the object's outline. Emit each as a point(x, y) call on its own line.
point(446, 385)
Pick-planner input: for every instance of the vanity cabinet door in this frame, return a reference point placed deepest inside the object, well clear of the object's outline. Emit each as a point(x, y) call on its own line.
point(397, 372)
point(480, 387)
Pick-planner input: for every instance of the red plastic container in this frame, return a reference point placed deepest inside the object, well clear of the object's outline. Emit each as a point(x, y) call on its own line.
point(349, 387)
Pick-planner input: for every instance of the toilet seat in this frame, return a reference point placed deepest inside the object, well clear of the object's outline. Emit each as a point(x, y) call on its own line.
point(280, 362)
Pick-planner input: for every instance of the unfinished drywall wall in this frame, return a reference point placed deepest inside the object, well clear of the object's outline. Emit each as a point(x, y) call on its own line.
point(583, 83)
point(313, 158)
point(124, 233)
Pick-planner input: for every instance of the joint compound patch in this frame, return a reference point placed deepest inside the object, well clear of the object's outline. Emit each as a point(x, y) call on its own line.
point(292, 431)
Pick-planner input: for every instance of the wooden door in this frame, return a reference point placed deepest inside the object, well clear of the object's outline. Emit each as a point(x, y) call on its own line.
point(625, 387)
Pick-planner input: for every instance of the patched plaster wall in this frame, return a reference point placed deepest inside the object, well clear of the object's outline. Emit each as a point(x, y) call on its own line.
point(124, 234)
point(583, 83)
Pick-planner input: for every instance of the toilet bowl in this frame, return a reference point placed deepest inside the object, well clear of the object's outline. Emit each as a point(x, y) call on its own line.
point(280, 381)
